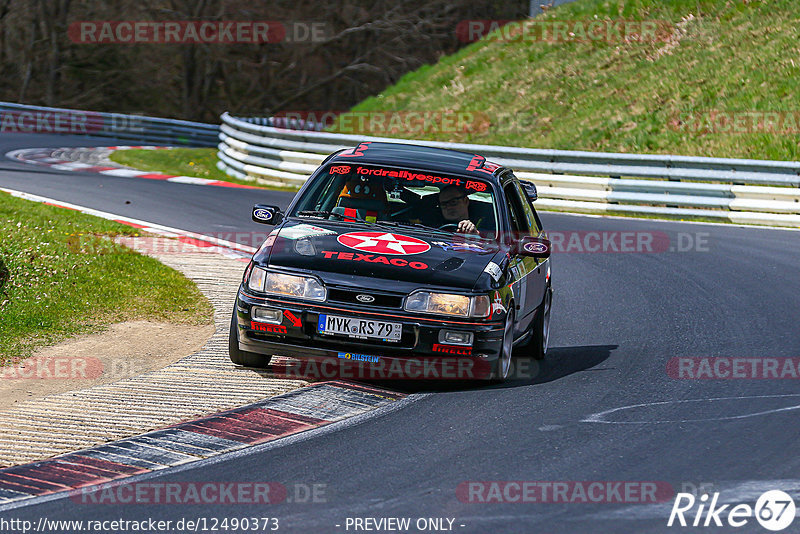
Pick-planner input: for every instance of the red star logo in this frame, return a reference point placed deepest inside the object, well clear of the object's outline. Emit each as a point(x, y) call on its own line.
point(383, 243)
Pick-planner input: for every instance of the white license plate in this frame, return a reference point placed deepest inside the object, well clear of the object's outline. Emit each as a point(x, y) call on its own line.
point(359, 328)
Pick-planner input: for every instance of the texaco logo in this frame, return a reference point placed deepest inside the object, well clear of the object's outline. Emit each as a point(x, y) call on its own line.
point(383, 243)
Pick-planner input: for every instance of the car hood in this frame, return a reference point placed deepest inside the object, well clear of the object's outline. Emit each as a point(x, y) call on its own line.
point(383, 253)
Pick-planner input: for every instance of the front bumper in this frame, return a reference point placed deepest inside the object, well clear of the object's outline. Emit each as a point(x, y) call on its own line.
point(418, 354)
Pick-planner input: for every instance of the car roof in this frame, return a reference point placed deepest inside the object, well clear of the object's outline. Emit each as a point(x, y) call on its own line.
point(418, 156)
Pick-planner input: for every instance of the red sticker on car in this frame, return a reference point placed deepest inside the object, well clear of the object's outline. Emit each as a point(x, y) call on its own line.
point(475, 163)
point(372, 258)
point(479, 164)
point(452, 349)
point(356, 152)
point(271, 328)
point(383, 243)
point(292, 318)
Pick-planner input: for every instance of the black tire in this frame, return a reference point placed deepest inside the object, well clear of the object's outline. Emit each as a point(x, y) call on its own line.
point(503, 364)
point(241, 357)
point(537, 346)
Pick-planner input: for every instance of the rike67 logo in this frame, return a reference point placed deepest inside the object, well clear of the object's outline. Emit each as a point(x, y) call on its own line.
point(774, 510)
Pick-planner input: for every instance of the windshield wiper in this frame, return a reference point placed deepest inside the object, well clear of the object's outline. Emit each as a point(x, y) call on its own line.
point(416, 225)
point(352, 218)
point(327, 214)
point(437, 230)
point(313, 213)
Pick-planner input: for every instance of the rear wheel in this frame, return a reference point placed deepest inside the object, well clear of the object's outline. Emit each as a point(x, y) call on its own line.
point(541, 327)
point(241, 357)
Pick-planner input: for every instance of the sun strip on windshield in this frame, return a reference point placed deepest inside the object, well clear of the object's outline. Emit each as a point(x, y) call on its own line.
point(410, 176)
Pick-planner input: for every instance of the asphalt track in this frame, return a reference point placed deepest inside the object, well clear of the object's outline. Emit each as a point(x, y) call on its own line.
point(618, 318)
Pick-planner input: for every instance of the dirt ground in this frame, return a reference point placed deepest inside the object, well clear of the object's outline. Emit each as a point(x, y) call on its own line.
point(124, 350)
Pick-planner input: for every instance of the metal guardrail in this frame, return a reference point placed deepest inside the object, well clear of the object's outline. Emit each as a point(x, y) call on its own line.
point(272, 151)
point(22, 118)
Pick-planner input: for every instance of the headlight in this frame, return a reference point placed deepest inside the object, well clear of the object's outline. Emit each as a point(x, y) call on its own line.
point(301, 287)
point(257, 277)
point(448, 304)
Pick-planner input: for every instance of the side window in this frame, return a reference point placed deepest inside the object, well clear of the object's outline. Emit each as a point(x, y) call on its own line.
point(519, 223)
point(527, 210)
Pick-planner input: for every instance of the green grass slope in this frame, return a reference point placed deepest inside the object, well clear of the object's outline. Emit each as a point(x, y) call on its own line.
point(62, 275)
point(725, 55)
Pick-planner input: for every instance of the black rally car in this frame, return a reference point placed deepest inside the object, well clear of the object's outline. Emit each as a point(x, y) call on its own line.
point(396, 252)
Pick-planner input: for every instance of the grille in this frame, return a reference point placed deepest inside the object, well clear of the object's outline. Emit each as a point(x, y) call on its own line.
point(349, 297)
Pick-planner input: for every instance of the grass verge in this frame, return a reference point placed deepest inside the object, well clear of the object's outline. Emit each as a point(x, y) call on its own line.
point(197, 162)
point(61, 275)
point(623, 96)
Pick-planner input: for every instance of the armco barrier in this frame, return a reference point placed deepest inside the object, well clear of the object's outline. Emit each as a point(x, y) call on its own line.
point(21, 118)
point(272, 151)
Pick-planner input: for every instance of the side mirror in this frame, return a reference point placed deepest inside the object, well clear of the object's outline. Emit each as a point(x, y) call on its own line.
point(530, 190)
point(266, 214)
point(535, 247)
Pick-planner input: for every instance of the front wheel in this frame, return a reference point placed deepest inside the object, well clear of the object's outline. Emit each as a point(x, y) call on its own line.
point(502, 366)
point(241, 357)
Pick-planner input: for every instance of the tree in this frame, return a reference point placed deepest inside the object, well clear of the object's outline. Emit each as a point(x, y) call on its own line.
point(366, 46)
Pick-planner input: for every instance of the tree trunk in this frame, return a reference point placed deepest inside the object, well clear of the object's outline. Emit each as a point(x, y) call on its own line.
point(53, 16)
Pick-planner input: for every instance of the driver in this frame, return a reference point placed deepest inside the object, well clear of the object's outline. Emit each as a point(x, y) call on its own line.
point(455, 205)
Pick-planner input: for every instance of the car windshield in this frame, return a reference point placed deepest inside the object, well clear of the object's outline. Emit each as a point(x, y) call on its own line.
point(369, 194)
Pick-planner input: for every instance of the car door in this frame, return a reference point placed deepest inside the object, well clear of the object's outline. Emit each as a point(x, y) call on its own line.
point(537, 281)
point(523, 267)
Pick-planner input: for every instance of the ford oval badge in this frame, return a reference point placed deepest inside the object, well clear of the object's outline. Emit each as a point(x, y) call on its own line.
point(535, 248)
point(262, 214)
